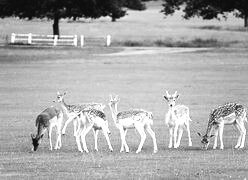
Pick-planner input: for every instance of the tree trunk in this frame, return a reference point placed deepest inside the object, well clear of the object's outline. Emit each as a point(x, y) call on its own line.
point(56, 24)
point(113, 19)
point(246, 20)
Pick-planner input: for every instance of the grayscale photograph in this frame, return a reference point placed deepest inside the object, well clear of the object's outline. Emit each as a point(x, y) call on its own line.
point(124, 89)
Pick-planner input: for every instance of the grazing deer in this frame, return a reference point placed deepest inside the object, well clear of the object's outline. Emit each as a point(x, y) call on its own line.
point(228, 114)
point(46, 120)
point(87, 118)
point(139, 119)
point(176, 119)
point(72, 116)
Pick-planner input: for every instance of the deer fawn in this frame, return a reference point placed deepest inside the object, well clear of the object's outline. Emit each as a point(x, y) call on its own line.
point(176, 119)
point(228, 114)
point(139, 119)
point(87, 118)
point(46, 120)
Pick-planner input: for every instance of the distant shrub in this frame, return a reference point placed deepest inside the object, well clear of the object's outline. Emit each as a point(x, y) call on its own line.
point(198, 42)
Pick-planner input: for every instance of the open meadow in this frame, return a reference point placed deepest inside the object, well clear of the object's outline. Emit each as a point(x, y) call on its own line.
point(205, 78)
point(30, 79)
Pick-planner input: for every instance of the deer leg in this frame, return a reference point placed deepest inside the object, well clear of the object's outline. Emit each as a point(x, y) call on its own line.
point(171, 137)
point(244, 134)
point(59, 127)
point(221, 128)
point(240, 135)
point(123, 140)
point(107, 139)
point(140, 129)
point(50, 137)
point(175, 136)
point(96, 131)
point(188, 131)
point(83, 135)
point(67, 122)
point(78, 140)
point(216, 131)
point(241, 140)
point(57, 141)
point(75, 125)
point(180, 133)
point(152, 134)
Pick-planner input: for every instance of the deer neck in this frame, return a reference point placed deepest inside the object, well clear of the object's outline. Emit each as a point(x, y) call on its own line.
point(209, 128)
point(64, 106)
point(113, 109)
point(171, 111)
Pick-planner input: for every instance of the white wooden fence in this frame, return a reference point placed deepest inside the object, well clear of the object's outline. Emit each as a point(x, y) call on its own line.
point(56, 40)
point(95, 41)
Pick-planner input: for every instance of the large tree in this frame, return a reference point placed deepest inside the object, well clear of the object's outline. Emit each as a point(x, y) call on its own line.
point(57, 9)
point(207, 9)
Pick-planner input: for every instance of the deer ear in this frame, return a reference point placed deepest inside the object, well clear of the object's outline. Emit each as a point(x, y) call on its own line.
point(65, 93)
point(211, 136)
point(199, 134)
point(166, 98)
point(177, 96)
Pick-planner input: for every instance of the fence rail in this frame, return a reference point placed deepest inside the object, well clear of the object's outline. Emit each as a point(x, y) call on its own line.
point(56, 40)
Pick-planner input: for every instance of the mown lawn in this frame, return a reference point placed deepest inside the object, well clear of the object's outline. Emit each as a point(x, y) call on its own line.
point(30, 78)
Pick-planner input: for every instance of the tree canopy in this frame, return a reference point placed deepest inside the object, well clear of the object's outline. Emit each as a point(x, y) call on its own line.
point(207, 9)
point(57, 9)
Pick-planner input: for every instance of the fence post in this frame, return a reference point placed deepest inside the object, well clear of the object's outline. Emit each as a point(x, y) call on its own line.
point(29, 38)
point(12, 40)
point(108, 43)
point(75, 41)
point(82, 41)
point(55, 42)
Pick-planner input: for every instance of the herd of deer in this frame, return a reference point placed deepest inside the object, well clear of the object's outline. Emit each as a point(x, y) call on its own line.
point(91, 116)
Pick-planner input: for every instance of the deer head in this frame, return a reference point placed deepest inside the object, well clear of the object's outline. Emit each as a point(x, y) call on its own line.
point(205, 140)
point(171, 99)
point(35, 142)
point(60, 97)
point(113, 101)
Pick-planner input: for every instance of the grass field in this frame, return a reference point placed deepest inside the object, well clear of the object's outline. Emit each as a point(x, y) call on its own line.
point(205, 79)
point(30, 79)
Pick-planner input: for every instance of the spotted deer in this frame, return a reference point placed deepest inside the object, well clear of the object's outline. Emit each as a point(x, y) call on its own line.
point(139, 119)
point(72, 116)
point(45, 121)
point(87, 118)
point(228, 114)
point(177, 118)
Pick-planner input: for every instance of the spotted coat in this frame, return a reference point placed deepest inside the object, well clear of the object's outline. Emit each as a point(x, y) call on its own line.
point(93, 113)
point(136, 114)
point(224, 111)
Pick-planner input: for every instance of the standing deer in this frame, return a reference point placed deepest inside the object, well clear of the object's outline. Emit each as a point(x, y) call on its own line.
point(46, 120)
point(228, 114)
point(87, 118)
point(139, 119)
point(72, 116)
point(176, 119)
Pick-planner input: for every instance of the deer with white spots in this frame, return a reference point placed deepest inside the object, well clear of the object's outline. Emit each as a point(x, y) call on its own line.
point(45, 121)
point(177, 118)
point(72, 116)
point(139, 119)
point(87, 118)
point(228, 114)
